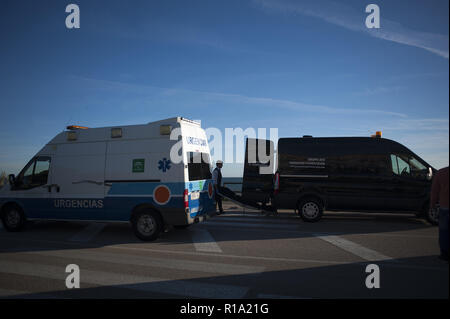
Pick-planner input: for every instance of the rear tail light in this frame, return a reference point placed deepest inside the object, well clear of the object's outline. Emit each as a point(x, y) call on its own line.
point(186, 198)
point(276, 183)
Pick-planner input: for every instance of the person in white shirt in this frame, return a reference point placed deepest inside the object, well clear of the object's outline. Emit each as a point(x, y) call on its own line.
point(217, 181)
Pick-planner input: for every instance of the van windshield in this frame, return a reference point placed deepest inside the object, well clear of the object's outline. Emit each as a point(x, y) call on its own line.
point(198, 166)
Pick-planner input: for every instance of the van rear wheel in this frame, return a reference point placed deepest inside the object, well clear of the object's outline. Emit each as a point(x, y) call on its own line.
point(147, 224)
point(310, 209)
point(13, 218)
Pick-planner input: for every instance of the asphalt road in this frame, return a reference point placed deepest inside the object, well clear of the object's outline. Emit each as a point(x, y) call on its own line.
point(241, 254)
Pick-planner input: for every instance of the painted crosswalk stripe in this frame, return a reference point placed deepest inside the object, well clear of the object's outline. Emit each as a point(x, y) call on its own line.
point(166, 263)
point(187, 288)
point(353, 248)
point(88, 233)
point(256, 219)
point(251, 225)
point(203, 241)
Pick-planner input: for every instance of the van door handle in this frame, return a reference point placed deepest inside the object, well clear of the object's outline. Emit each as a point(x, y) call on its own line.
point(88, 182)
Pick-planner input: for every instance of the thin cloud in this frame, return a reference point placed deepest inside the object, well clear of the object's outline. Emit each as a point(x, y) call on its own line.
point(237, 99)
point(379, 90)
point(351, 19)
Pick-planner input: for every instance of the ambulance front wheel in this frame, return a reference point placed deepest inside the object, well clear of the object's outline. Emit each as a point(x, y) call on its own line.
point(13, 218)
point(147, 224)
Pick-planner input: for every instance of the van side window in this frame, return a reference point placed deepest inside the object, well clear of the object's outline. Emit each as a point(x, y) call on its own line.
point(416, 165)
point(34, 174)
point(394, 164)
point(400, 166)
point(357, 164)
point(418, 170)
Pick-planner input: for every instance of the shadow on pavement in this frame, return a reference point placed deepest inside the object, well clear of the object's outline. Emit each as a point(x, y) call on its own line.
point(51, 235)
point(398, 279)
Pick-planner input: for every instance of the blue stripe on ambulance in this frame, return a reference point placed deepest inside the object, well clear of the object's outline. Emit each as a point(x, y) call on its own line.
point(118, 203)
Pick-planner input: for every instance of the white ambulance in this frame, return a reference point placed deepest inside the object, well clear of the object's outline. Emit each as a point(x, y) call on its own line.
point(151, 175)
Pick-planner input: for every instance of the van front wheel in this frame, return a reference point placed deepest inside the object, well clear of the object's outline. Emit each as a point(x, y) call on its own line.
point(147, 225)
point(432, 215)
point(310, 209)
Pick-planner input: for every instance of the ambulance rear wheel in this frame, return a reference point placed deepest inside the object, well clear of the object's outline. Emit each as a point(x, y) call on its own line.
point(147, 225)
point(310, 209)
point(13, 218)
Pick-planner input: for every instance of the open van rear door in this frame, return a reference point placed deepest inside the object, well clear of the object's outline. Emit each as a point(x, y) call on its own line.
point(257, 183)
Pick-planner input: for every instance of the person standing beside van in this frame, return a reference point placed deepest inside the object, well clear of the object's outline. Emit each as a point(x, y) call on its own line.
point(217, 180)
point(439, 194)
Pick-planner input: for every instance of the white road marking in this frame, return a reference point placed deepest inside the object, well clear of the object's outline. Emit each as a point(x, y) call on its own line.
point(259, 258)
point(88, 233)
point(203, 241)
point(165, 263)
point(354, 248)
point(250, 225)
point(125, 247)
point(186, 288)
point(262, 219)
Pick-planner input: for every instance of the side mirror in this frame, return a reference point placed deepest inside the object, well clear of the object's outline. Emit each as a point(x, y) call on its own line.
point(430, 174)
point(11, 179)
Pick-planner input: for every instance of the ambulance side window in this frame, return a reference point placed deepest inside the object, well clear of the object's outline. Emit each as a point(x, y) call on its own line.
point(34, 174)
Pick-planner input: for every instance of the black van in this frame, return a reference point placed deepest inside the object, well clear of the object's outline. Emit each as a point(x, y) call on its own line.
point(343, 173)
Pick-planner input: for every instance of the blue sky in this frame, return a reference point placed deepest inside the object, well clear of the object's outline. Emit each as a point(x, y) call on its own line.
point(305, 67)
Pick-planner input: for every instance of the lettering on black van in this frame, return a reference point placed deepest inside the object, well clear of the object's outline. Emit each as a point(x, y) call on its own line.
point(78, 203)
point(311, 162)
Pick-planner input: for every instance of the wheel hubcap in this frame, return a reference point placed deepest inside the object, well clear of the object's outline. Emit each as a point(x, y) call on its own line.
point(310, 210)
point(146, 225)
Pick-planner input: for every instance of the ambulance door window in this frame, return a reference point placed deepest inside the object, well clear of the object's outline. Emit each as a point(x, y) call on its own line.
point(40, 175)
point(25, 180)
point(34, 174)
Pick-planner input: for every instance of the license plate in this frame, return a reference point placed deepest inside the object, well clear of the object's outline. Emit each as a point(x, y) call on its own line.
point(195, 195)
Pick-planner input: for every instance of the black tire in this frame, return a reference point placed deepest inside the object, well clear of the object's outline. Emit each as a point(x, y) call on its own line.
point(13, 218)
point(310, 209)
point(147, 224)
point(432, 216)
